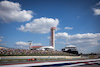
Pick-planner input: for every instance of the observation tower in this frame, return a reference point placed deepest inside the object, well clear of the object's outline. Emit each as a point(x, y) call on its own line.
point(53, 37)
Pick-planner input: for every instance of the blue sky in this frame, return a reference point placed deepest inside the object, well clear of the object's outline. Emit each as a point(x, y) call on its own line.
point(77, 23)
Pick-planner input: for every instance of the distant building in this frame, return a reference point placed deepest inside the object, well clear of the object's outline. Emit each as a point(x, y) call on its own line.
point(70, 49)
point(35, 47)
point(42, 48)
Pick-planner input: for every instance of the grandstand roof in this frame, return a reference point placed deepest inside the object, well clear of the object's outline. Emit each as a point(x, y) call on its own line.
point(48, 47)
point(36, 46)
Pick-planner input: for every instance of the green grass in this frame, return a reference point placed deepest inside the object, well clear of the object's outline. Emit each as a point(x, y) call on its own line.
point(13, 59)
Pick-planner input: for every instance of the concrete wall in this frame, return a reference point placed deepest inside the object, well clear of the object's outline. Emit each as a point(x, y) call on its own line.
point(28, 57)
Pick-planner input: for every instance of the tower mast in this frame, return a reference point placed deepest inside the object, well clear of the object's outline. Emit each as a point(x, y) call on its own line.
point(53, 36)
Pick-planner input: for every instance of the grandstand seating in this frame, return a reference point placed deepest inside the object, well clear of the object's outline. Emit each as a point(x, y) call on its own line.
point(26, 52)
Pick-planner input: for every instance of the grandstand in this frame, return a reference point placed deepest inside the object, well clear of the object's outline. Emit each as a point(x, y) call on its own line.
point(26, 52)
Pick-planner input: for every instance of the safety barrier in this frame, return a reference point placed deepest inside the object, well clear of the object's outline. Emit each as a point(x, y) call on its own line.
point(28, 57)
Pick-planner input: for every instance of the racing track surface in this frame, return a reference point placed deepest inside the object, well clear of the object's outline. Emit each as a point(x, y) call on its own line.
point(67, 63)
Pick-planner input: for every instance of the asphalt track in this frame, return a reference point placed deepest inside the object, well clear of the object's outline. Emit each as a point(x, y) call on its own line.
point(15, 63)
point(25, 61)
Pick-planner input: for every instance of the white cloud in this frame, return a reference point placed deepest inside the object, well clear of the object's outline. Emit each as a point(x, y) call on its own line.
point(40, 25)
point(78, 17)
point(58, 28)
point(69, 28)
point(0, 40)
point(22, 43)
point(2, 43)
point(96, 11)
point(48, 37)
point(98, 4)
point(22, 47)
point(61, 35)
point(12, 12)
point(80, 40)
point(61, 42)
point(70, 46)
point(1, 37)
